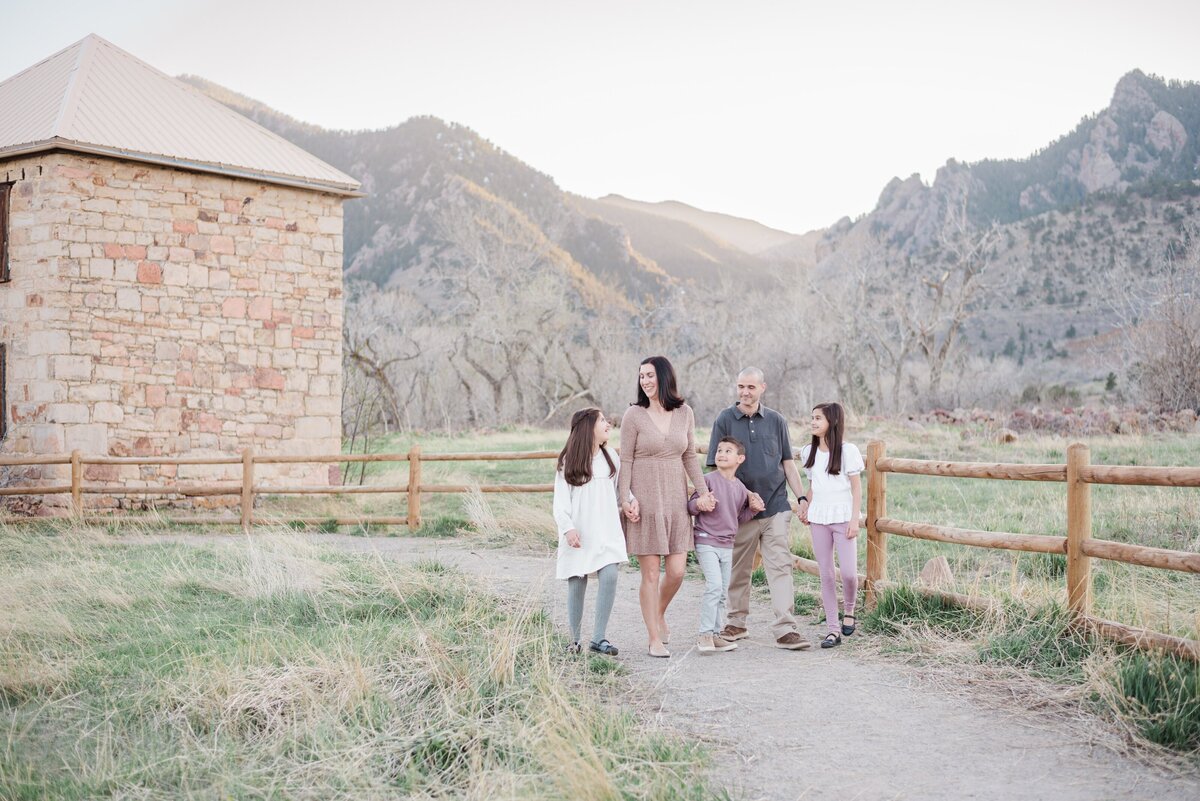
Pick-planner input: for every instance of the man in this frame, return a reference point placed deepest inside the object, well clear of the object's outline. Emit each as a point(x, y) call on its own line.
point(768, 471)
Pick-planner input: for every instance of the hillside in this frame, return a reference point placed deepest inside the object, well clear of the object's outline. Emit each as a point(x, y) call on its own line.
point(747, 236)
point(416, 174)
point(1112, 198)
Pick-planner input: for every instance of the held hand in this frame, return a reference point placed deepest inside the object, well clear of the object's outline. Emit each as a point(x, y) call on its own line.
point(573, 539)
point(756, 503)
point(630, 508)
point(706, 502)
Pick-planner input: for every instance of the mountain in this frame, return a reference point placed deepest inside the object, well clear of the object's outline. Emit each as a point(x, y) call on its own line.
point(1115, 196)
point(1119, 190)
point(747, 236)
point(417, 176)
point(1147, 139)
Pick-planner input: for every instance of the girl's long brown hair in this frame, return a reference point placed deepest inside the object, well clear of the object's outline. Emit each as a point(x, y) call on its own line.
point(575, 459)
point(833, 437)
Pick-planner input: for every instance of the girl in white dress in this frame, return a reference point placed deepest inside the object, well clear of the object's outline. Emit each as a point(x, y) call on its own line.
point(590, 538)
point(833, 469)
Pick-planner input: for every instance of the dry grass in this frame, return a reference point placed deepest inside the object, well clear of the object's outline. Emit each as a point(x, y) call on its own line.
point(268, 666)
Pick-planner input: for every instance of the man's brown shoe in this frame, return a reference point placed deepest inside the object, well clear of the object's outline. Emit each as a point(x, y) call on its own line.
point(732, 633)
point(793, 642)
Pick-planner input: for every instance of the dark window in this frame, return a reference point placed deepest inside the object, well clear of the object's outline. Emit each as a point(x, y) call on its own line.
point(5, 190)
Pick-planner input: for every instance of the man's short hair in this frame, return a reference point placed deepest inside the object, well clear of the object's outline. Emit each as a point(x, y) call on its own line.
point(756, 372)
point(735, 442)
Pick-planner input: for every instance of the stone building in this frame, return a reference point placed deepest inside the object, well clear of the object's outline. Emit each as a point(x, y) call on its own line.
point(170, 272)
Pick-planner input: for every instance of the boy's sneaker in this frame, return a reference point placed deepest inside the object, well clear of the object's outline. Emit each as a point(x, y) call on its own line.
point(722, 644)
point(731, 633)
point(708, 643)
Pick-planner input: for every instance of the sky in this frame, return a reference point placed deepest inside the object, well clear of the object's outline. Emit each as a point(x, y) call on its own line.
point(794, 114)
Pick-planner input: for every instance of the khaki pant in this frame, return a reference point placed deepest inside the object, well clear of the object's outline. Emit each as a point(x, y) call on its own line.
point(770, 536)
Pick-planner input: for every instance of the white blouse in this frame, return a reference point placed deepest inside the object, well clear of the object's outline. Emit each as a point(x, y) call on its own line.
point(832, 501)
point(592, 511)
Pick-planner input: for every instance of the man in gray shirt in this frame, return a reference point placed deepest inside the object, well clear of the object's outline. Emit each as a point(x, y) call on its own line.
point(768, 471)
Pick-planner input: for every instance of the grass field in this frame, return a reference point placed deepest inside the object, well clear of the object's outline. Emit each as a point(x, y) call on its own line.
point(272, 668)
point(1165, 517)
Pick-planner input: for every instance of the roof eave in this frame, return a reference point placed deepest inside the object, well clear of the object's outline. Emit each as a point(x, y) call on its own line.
point(350, 190)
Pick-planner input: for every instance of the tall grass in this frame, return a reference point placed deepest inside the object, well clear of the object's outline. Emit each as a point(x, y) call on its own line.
point(268, 667)
point(1156, 697)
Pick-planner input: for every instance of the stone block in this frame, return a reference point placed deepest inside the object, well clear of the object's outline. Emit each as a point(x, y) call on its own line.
point(313, 427)
point(108, 413)
point(48, 343)
point(67, 413)
point(66, 368)
point(91, 438)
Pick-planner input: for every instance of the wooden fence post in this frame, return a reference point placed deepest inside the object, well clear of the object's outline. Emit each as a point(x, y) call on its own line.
point(414, 488)
point(876, 508)
point(76, 482)
point(247, 488)
point(1079, 529)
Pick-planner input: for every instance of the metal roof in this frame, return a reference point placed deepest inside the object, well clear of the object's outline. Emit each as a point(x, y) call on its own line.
point(95, 98)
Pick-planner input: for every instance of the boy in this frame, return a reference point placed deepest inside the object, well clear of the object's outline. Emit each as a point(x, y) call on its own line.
point(714, 538)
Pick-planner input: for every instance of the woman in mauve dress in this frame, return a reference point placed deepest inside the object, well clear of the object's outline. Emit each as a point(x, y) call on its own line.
point(658, 457)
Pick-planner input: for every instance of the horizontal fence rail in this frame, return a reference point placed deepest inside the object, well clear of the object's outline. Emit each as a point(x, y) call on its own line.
point(248, 489)
point(1078, 545)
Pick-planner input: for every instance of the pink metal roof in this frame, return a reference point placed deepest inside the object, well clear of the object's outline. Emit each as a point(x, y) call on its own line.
point(95, 98)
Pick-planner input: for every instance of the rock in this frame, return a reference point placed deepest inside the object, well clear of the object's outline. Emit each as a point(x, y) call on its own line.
point(1006, 436)
point(936, 573)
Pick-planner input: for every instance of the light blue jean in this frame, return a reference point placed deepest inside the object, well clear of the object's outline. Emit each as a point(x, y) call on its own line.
point(717, 563)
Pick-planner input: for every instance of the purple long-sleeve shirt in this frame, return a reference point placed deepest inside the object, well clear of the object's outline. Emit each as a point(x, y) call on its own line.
point(718, 527)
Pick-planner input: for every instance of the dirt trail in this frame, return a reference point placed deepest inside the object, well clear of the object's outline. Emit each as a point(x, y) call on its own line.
point(822, 723)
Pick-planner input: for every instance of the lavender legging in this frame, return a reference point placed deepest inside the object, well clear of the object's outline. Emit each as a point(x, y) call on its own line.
point(824, 538)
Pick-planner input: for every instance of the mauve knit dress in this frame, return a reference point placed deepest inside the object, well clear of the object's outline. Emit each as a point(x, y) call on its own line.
point(655, 469)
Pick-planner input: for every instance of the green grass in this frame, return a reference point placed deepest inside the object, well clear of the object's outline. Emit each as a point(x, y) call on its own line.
point(268, 667)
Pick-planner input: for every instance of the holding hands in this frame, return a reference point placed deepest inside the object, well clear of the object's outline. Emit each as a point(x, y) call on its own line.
point(573, 539)
point(756, 503)
point(706, 502)
point(632, 512)
point(800, 510)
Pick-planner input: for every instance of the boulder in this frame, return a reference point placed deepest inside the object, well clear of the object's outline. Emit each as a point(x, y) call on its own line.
point(936, 573)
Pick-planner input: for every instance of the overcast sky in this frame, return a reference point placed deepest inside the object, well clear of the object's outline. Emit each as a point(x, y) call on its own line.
point(791, 113)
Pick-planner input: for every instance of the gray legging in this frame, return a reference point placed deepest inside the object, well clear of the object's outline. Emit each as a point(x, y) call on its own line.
point(577, 586)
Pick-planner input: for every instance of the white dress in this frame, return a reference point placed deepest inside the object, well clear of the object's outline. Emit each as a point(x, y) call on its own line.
point(592, 510)
point(832, 500)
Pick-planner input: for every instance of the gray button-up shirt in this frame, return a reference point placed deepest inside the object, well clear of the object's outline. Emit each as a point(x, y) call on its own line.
point(765, 435)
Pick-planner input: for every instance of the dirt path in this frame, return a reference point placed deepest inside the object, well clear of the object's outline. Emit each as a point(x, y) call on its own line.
point(821, 724)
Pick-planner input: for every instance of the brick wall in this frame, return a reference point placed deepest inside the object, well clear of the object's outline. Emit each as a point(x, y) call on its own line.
point(153, 311)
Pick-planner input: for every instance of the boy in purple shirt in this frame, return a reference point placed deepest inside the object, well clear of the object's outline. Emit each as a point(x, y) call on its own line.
point(714, 538)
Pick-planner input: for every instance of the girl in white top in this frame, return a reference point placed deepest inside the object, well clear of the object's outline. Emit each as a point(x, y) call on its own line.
point(833, 470)
point(590, 538)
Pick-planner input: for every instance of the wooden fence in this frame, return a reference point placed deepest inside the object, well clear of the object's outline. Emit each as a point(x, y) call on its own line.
point(248, 490)
point(1078, 546)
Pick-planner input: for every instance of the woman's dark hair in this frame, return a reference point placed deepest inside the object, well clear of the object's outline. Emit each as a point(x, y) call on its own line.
point(575, 459)
point(668, 394)
point(833, 437)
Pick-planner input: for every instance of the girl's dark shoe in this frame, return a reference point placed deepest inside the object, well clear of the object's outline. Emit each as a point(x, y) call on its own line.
point(848, 628)
point(574, 648)
point(603, 647)
point(831, 640)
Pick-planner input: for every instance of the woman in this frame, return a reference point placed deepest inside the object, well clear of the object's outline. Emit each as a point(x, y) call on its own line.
point(658, 456)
